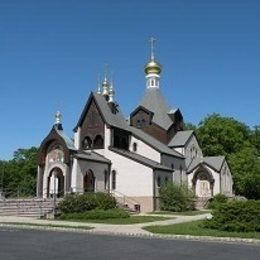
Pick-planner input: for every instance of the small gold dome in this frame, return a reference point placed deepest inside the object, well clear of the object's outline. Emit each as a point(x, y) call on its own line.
point(153, 67)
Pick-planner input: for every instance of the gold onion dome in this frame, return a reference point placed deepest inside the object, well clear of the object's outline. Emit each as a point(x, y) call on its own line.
point(153, 67)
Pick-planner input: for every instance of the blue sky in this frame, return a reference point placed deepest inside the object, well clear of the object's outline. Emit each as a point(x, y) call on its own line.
point(52, 53)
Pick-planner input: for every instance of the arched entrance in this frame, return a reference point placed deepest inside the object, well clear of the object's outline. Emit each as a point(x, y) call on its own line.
point(89, 182)
point(203, 184)
point(55, 183)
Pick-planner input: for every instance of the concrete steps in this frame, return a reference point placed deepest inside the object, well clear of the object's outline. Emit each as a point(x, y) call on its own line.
point(26, 207)
point(201, 203)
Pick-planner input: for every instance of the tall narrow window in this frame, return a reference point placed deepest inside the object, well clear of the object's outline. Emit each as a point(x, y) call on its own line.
point(138, 124)
point(159, 181)
point(181, 175)
point(134, 147)
point(113, 180)
point(106, 180)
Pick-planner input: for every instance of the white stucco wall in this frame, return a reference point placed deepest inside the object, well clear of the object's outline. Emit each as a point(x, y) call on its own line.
point(132, 178)
point(180, 150)
point(144, 149)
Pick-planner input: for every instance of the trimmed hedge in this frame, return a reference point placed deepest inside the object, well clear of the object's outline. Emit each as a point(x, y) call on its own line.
point(95, 214)
point(236, 216)
point(77, 203)
point(216, 201)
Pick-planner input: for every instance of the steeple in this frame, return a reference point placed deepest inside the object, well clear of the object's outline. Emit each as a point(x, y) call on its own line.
point(152, 69)
point(105, 83)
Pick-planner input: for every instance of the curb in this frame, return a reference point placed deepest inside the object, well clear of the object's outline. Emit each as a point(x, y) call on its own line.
point(232, 240)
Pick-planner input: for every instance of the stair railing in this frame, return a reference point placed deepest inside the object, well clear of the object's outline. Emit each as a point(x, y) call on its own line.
point(126, 200)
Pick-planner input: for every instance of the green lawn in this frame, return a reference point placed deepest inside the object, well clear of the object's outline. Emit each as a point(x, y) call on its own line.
point(123, 221)
point(193, 228)
point(184, 213)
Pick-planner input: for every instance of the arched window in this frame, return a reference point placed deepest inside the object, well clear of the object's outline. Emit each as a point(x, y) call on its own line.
point(86, 143)
point(89, 181)
point(134, 147)
point(98, 142)
point(113, 180)
point(172, 165)
point(166, 180)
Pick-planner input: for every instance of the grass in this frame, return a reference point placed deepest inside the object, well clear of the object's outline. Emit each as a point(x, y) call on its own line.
point(46, 225)
point(184, 213)
point(123, 221)
point(194, 228)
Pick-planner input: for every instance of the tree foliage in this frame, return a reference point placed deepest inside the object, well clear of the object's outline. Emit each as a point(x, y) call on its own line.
point(18, 175)
point(241, 145)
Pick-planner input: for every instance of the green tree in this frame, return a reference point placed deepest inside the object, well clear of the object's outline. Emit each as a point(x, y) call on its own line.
point(222, 135)
point(255, 139)
point(226, 136)
point(189, 126)
point(18, 175)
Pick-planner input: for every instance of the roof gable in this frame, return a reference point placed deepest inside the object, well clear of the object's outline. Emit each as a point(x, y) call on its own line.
point(214, 162)
point(58, 136)
point(112, 119)
point(181, 138)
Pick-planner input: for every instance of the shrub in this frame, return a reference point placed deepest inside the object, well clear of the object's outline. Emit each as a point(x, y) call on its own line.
point(176, 198)
point(76, 203)
point(237, 216)
point(217, 200)
point(95, 214)
point(105, 201)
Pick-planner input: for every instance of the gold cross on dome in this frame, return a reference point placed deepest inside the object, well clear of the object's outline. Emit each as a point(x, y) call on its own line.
point(152, 41)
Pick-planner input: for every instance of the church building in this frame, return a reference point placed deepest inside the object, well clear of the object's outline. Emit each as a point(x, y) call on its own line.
point(133, 158)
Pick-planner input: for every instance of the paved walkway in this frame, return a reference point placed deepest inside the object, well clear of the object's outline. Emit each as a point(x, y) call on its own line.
point(123, 230)
point(104, 228)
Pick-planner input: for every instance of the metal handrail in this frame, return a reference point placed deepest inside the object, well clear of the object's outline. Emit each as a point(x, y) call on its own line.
point(125, 198)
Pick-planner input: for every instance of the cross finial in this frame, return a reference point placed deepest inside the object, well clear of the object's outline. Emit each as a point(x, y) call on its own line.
point(106, 71)
point(58, 117)
point(99, 85)
point(152, 41)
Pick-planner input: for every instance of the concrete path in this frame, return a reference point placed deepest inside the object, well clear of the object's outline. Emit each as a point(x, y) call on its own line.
point(104, 228)
point(134, 230)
